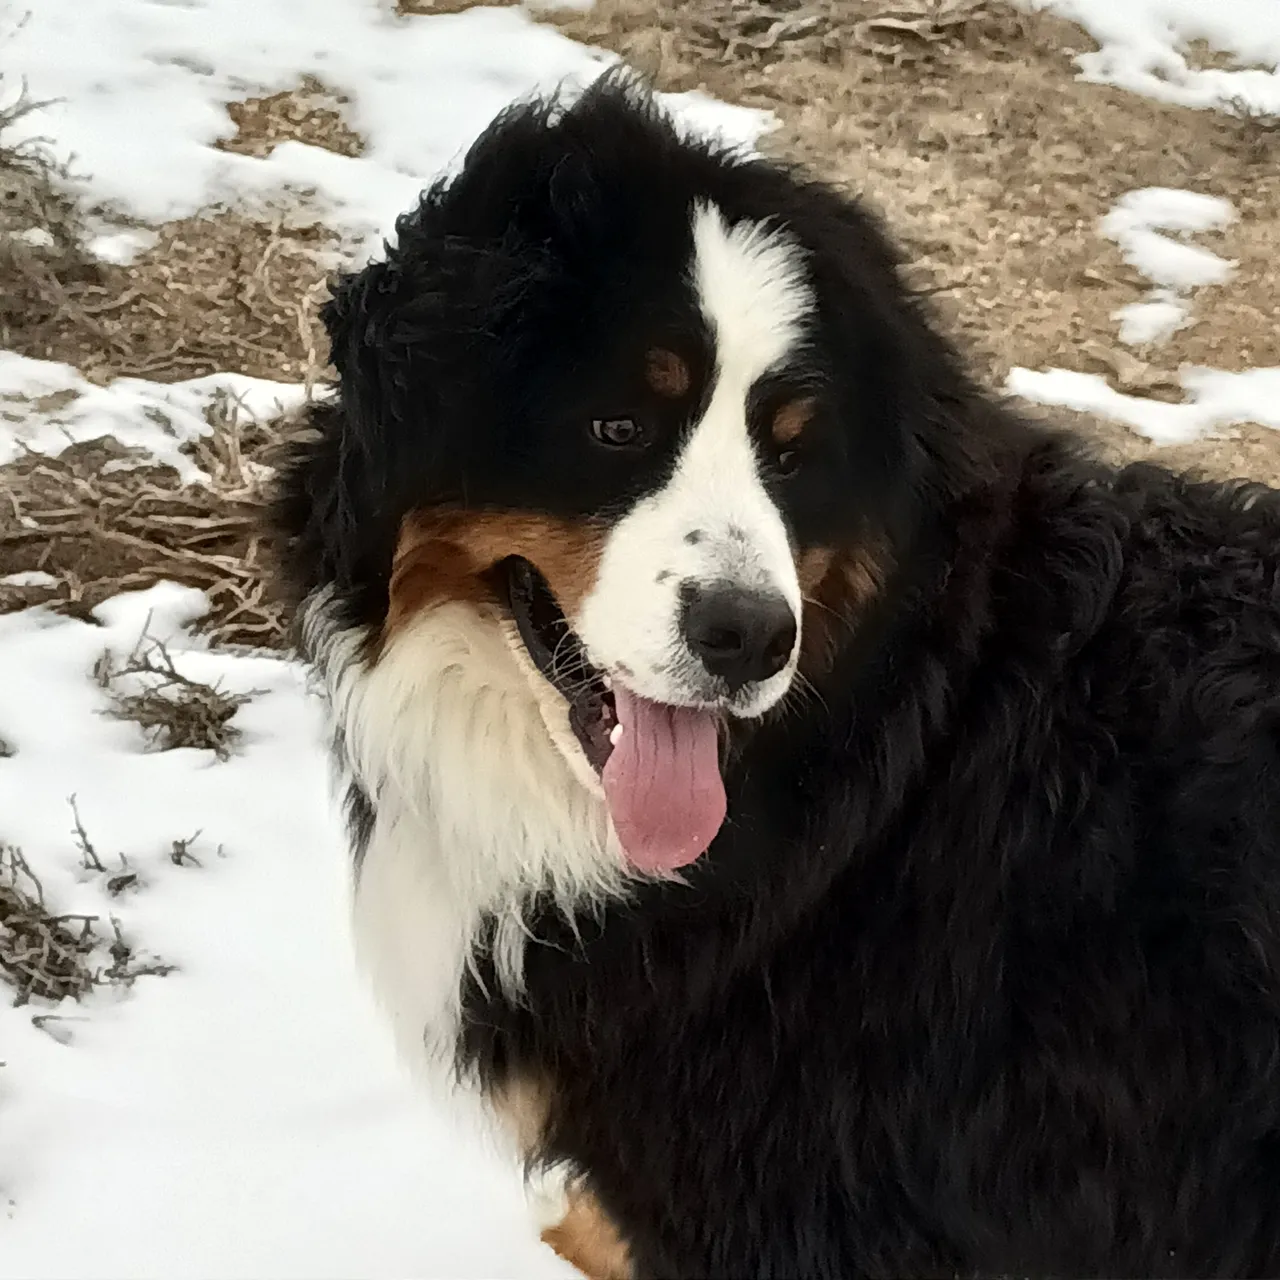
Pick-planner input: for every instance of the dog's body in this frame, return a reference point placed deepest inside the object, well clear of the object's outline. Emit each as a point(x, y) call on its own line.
point(980, 973)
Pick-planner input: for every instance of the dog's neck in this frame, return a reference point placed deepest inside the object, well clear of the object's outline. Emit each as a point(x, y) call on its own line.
point(474, 810)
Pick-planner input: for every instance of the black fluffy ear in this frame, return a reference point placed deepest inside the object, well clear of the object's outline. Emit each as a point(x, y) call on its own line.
point(906, 385)
point(333, 514)
point(359, 319)
point(399, 331)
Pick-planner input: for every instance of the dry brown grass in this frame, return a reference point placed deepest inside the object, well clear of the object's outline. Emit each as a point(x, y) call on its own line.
point(45, 955)
point(172, 710)
point(42, 955)
point(311, 113)
point(42, 262)
point(99, 531)
point(443, 6)
point(217, 291)
point(900, 33)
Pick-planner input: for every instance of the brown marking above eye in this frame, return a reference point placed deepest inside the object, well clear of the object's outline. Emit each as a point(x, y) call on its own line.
point(667, 373)
point(791, 419)
point(444, 556)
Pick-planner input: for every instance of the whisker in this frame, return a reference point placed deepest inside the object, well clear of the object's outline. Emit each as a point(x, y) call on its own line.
point(826, 608)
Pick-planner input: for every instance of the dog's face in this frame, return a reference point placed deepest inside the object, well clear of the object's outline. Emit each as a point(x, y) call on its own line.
point(639, 409)
point(697, 599)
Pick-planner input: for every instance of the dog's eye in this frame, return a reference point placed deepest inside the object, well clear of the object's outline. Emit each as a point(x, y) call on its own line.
point(788, 461)
point(620, 432)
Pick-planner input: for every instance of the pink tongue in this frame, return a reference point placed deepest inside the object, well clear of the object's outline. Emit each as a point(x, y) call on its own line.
point(663, 782)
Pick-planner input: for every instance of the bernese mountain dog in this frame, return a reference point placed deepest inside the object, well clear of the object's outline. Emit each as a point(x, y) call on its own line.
point(834, 820)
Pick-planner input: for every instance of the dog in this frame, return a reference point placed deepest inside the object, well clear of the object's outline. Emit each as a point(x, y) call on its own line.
point(835, 821)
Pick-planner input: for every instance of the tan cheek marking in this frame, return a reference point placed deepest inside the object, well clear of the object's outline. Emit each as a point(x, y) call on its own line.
point(812, 567)
point(791, 420)
point(667, 373)
point(444, 555)
point(837, 584)
point(586, 1238)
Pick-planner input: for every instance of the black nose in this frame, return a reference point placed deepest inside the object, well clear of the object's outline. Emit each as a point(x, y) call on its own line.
point(741, 636)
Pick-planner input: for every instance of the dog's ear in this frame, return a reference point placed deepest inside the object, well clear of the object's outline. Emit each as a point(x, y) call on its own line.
point(360, 320)
point(333, 511)
point(905, 385)
point(399, 332)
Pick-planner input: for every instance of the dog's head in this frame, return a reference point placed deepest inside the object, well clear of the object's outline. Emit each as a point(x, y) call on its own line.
point(646, 409)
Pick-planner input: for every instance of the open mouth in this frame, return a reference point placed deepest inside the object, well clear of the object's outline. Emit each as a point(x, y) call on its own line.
point(559, 656)
point(659, 764)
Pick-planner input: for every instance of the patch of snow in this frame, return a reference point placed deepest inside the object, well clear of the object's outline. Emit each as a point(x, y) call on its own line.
point(121, 247)
point(1214, 399)
point(1139, 218)
point(1168, 209)
point(1155, 320)
point(29, 578)
point(420, 88)
point(36, 237)
point(1143, 46)
point(46, 406)
point(243, 1116)
point(1136, 224)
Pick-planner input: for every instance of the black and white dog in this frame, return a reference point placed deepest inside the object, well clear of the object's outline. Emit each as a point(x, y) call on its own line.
point(836, 821)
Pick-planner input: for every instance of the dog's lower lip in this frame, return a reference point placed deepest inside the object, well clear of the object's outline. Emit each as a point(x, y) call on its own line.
point(559, 655)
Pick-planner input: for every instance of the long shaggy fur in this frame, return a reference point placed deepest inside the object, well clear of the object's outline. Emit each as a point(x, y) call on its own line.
point(982, 974)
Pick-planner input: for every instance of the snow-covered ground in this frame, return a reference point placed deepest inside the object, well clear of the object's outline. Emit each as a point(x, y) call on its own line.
point(138, 96)
point(1144, 47)
point(243, 1115)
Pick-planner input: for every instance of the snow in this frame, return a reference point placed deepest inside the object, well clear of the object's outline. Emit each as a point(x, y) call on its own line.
point(46, 406)
point(1154, 320)
point(1143, 46)
point(1214, 399)
point(121, 246)
point(242, 1116)
point(138, 97)
point(28, 578)
point(1173, 266)
point(1138, 219)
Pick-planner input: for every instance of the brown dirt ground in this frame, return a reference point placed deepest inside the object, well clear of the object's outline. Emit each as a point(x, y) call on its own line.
point(960, 120)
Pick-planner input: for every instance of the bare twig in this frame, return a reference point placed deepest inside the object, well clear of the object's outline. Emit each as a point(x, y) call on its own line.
point(99, 530)
point(172, 709)
point(180, 854)
point(88, 854)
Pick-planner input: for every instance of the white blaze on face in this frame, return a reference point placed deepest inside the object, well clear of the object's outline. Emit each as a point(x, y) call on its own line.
point(713, 522)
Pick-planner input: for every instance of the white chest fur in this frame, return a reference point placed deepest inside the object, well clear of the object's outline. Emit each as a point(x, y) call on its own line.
point(469, 762)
